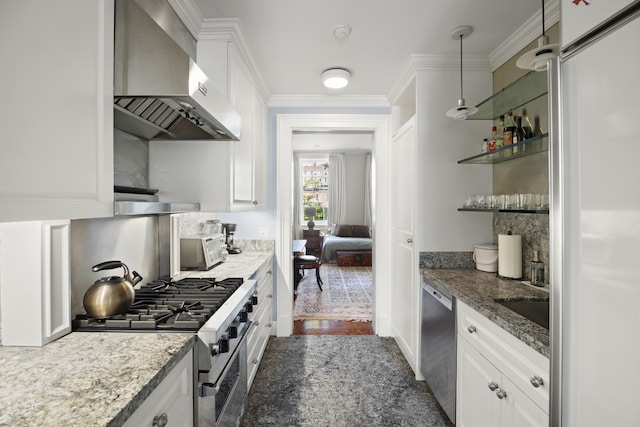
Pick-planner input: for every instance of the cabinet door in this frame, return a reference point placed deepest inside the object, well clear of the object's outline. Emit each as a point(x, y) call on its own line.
point(171, 402)
point(476, 404)
point(242, 152)
point(57, 92)
point(517, 410)
point(579, 18)
point(406, 293)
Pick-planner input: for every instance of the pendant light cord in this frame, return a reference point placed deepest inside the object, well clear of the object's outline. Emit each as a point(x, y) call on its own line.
point(461, 67)
point(543, 17)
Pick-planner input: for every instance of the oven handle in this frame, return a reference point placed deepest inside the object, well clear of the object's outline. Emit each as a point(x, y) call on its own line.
point(210, 389)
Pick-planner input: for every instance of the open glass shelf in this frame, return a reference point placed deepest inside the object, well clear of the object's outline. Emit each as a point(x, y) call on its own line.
point(496, 210)
point(523, 91)
point(537, 144)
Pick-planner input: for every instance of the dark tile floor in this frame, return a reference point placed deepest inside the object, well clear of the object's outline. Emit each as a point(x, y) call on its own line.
point(338, 381)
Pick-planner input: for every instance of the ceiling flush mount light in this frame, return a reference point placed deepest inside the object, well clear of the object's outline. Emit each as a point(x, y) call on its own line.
point(336, 78)
point(537, 58)
point(461, 111)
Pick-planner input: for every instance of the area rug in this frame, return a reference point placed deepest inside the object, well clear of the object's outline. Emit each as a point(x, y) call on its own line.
point(347, 295)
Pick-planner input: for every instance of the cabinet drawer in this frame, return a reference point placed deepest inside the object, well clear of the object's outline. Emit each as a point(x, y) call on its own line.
point(260, 333)
point(517, 361)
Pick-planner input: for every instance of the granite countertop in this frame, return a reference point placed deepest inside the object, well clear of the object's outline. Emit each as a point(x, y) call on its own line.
point(98, 378)
point(478, 290)
point(85, 378)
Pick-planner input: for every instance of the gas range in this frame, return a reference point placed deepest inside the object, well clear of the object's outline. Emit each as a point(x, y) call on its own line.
point(217, 313)
point(165, 306)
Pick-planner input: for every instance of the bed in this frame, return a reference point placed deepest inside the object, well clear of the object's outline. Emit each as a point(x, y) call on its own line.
point(346, 238)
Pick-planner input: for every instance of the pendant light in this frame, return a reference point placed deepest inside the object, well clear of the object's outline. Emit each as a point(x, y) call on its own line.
point(461, 111)
point(537, 58)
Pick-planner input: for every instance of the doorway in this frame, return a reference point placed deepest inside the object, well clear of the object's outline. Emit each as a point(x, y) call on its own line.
point(378, 126)
point(336, 166)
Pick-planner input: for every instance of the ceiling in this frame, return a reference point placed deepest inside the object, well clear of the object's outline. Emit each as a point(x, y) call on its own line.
point(292, 41)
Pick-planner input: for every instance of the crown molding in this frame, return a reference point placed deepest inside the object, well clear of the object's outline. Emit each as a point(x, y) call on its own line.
point(523, 36)
point(351, 101)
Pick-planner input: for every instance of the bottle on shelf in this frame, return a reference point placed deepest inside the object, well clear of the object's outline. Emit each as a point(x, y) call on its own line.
point(537, 131)
point(499, 133)
point(485, 145)
point(537, 270)
point(509, 132)
point(520, 134)
point(526, 124)
point(492, 141)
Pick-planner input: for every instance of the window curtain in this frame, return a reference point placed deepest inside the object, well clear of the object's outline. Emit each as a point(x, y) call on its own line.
point(337, 192)
point(297, 197)
point(367, 190)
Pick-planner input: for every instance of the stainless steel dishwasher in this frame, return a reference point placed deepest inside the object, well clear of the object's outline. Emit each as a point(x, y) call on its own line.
point(438, 345)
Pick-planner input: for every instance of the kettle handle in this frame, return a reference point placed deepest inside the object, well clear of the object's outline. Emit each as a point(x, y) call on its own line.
point(108, 265)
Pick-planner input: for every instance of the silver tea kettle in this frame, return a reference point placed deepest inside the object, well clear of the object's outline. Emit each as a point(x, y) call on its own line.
point(111, 295)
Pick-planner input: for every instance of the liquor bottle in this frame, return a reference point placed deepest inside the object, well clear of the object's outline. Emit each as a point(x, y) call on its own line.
point(485, 145)
point(536, 126)
point(492, 140)
point(509, 133)
point(520, 135)
point(526, 124)
point(500, 135)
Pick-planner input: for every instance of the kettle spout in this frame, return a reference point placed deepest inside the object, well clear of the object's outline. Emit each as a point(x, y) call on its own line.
point(136, 278)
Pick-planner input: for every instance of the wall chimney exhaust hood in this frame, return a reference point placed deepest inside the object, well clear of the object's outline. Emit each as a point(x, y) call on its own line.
point(159, 91)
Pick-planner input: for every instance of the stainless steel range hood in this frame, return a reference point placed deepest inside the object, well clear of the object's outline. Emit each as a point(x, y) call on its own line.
point(159, 91)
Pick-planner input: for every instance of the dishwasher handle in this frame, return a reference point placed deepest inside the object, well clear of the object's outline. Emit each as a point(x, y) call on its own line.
point(438, 296)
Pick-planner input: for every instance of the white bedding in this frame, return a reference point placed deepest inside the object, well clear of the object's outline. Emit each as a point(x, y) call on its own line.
point(335, 243)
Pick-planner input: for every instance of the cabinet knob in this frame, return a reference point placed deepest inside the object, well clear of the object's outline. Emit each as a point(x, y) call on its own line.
point(270, 296)
point(269, 272)
point(536, 381)
point(160, 420)
point(493, 386)
point(471, 329)
point(257, 323)
point(269, 325)
point(501, 394)
point(254, 361)
point(254, 203)
point(409, 241)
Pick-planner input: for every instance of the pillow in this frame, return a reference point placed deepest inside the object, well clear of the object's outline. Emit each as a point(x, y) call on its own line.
point(360, 231)
point(343, 230)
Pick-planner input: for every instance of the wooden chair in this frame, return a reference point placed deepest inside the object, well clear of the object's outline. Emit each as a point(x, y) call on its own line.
point(308, 261)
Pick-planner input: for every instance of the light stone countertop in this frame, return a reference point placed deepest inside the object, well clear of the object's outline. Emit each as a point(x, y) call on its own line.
point(479, 289)
point(89, 379)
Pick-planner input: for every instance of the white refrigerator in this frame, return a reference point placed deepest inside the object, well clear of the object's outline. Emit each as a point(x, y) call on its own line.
point(595, 228)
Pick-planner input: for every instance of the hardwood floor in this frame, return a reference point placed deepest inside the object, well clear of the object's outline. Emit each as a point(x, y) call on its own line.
point(331, 327)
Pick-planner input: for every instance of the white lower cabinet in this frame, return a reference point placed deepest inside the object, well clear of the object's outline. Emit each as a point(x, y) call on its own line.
point(262, 320)
point(171, 403)
point(500, 381)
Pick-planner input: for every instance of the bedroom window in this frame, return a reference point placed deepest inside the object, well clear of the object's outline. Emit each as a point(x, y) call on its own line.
point(315, 189)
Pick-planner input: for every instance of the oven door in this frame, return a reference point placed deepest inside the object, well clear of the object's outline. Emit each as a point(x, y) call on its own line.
point(222, 396)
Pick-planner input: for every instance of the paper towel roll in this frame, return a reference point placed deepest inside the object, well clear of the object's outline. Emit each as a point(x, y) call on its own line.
point(510, 255)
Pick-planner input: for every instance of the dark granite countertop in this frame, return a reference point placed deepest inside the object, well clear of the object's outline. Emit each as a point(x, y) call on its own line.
point(479, 290)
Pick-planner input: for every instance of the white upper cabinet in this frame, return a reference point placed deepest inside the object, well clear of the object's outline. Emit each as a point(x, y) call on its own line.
point(579, 17)
point(57, 114)
point(221, 176)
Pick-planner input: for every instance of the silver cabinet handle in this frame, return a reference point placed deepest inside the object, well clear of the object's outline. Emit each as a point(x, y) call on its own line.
point(409, 241)
point(501, 394)
point(536, 381)
point(160, 420)
point(270, 296)
point(493, 386)
point(471, 329)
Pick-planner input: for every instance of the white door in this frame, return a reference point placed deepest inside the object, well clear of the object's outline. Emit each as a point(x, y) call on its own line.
point(404, 305)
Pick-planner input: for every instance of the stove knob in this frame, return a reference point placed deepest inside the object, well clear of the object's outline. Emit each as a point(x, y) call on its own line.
point(249, 307)
point(243, 316)
point(254, 300)
point(222, 346)
point(233, 331)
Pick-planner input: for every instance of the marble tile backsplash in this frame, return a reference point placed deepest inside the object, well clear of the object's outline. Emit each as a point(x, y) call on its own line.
point(533, 228)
